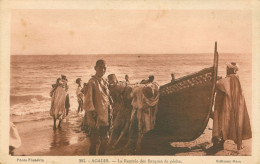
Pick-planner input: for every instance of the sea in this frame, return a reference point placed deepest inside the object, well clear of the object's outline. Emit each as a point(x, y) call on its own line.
point(33, 75)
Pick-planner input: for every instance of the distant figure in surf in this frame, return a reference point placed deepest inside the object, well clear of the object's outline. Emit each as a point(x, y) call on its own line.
point(173, 77)
point(66, 87)
point(79, 95)
point(127, 79)
point(231, 120)
point(58, 96)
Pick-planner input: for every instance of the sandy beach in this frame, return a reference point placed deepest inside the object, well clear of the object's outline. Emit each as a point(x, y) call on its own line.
point(38, 139)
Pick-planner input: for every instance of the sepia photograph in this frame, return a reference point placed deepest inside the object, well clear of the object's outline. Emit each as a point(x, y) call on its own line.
point(130, 82)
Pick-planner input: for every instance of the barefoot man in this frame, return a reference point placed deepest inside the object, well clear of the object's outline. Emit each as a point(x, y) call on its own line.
point(58, 96)
point(97, 105)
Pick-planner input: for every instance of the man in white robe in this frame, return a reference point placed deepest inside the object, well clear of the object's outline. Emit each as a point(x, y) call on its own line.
point(231, 120)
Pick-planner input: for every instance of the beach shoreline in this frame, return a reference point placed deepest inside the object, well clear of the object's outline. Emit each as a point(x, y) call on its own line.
point(30, 105)
point(38, 137)
point(70, 140)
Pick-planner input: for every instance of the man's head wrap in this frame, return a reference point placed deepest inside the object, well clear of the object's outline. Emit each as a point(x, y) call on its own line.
point(233, 66)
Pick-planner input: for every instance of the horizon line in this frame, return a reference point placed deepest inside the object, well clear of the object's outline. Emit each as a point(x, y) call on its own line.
point(128, 54)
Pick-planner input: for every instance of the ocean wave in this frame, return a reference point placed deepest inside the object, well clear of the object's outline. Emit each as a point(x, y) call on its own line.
point(26, 99)
point(39, 116)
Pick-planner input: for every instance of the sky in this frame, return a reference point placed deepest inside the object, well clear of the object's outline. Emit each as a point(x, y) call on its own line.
point(51, 32)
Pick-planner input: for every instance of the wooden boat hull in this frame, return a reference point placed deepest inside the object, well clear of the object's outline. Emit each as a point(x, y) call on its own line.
point(184, 106)
point(183, 110)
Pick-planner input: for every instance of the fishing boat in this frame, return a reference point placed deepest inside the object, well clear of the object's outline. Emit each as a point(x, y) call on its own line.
point(184, 109)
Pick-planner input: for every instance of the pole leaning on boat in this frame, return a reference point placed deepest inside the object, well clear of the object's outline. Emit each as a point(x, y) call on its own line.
point(214, 80)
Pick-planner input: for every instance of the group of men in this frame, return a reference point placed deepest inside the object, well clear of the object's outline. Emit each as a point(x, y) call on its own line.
point(231, 120)
point(98, 106)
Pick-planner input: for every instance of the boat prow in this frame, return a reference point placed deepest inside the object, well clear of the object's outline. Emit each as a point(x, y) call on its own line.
point(184, 107)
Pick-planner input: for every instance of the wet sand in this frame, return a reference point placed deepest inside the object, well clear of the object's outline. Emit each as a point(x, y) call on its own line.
point(39, 139)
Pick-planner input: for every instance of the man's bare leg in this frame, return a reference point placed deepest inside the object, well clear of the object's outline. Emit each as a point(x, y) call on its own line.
point(54, 123)
point(59, 125)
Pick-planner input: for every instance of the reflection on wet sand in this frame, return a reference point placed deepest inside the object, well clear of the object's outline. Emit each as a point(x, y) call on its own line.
point(60, 138)
point(43, 138)
point(66, 135)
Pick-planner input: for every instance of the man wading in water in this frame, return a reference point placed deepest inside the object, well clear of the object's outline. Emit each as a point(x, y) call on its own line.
point(97, 104)
point(66, 87)
point(57, 110)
